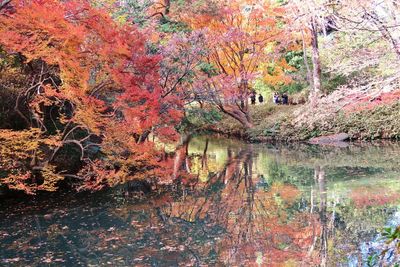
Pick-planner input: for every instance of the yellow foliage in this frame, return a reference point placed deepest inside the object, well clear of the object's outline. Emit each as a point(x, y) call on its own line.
point(19, 151)
point(50, 178)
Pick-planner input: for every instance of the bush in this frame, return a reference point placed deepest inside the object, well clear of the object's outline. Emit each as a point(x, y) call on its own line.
point(331, 82)
point(292, 88)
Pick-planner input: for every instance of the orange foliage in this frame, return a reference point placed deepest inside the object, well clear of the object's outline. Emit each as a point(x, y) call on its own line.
point(243, 38)
point(101, 74)
point(244, 41)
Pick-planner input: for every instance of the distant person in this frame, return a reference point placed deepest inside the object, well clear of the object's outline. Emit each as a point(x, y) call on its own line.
point(285, 99)
point(253, 98)
point(260, 98)
point(276, 98)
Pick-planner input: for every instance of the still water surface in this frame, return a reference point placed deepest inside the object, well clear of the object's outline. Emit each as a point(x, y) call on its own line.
point(250, 205)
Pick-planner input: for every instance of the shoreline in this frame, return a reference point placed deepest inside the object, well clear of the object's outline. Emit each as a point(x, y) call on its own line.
point(302, 123)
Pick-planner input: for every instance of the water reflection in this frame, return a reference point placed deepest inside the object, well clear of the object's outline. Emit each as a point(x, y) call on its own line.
point(239, 205)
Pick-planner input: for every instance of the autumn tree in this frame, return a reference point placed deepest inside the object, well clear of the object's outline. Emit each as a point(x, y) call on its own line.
point(182, 60)
point(93, 88)
point(244, 41)
point(217, 59)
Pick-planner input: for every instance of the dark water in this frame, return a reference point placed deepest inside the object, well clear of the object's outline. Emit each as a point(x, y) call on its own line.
point(250, 205)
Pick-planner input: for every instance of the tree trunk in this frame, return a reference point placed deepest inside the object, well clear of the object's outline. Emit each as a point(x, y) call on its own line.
point(240, 110)
point(316, 92)
point(242, 117)
point(309, 77)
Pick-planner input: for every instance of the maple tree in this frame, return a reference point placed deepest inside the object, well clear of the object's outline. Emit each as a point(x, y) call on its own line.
point(94, 89)
point(244, 41)
point(183, 55)
point(218, 50)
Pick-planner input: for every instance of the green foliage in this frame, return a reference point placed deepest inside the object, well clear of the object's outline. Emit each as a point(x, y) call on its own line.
point(295, 59)
point(152, 48)
point(169, 26)
point(380, 122)
point(199, 116)
point(391, 238)
point(133, 10)
point(263, 88)
point(292, 88)
point(282, 2)
point(372, 260)
point(208, 69)
point(391, 234)
point(331, 82)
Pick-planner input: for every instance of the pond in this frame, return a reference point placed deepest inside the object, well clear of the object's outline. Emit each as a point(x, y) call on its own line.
point(242, 205)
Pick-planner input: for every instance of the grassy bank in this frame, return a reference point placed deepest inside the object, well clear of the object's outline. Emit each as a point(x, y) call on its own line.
point(302, 122)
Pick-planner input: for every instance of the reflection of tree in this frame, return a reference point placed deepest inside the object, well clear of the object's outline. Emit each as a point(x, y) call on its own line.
point(204, 158)
point(181, 156)
point(258, 228)
point(341, 228)
point(322, 191)
point(239, 215)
